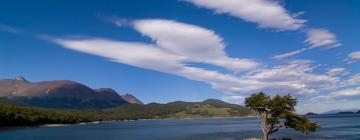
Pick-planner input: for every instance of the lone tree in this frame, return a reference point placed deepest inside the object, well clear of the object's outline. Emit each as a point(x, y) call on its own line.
point(278, 112)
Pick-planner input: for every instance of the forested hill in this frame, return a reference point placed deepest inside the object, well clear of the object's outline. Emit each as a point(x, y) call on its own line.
point(25, 103)
point(20, 115)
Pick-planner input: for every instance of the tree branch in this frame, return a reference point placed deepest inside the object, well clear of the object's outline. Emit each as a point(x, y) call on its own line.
point(274, 129)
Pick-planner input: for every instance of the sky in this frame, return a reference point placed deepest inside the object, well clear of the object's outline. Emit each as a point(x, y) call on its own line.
point(190, 50)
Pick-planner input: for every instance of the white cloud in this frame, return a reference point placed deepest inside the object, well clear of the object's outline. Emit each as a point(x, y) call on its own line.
point(347, 94)
point(153, 58)
point(324, 105)
point(321, 38)
point(131, 53)
point(6, 28)
point(353, 80)
point(176, 44)
point(270, 14)
point(175, 47)
point(354, 56)
point(350, 92)
point(266, 13)
point(289, 54)
point(121, 22)
point(335, 71)
point(316, 38)
point(295, 77)
point(344, 95)
point(195, 43)
point(234, 99)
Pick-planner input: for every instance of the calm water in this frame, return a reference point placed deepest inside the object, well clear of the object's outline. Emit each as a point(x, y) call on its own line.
point(333, 127)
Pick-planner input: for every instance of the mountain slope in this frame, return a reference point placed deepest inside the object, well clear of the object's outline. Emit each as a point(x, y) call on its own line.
point(131, 99)
point(64, 94)
point(180, 109)
point(59, 94)
point(212, 108)
point(17, 115)
point(335, 111)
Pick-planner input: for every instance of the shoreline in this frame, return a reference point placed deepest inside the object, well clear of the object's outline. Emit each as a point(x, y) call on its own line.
point(82, 123)
point(98, 122)
point(249, 116)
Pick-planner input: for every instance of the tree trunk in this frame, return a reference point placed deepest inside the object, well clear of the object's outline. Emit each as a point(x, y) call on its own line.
point(266, 137)
point(264, 127)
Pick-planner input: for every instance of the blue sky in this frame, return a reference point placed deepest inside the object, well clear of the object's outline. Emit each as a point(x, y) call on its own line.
point(191, 50)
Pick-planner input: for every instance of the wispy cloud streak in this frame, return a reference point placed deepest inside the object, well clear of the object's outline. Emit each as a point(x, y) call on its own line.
point(266, 13)
point(9, 29)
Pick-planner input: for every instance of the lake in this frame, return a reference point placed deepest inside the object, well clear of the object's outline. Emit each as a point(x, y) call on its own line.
point(333, 127)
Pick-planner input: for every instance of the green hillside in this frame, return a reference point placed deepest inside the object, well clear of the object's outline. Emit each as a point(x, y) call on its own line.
point(17, 115)
point(20, 115)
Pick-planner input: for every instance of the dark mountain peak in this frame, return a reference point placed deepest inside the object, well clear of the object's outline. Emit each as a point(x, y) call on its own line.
point(57, 88)
point(154, 104)
point(20, 78)
point(107, 90)
point(131, 99)
point(340, 111)
point(61, 83)
point(220, 103)
point(311, 113)
point(16, 79)
point(213, 101)
point(59, 94)
point(346, 112)
point(127, 94)
point(178, 102)
point(182, 103)
point(108, 93)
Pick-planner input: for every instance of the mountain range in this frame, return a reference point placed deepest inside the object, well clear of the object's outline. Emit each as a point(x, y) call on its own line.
point(62, 94)
point(341, 111)
point(25, 103)
point(12, 114)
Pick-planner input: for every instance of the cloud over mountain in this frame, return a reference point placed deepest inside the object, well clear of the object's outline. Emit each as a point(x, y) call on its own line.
point(176, 44)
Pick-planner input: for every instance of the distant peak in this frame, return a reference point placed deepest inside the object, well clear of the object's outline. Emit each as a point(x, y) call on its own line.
point(213, 100)
point(105, 90)
point(127, 94)
point(131, 99)
point(20, 78)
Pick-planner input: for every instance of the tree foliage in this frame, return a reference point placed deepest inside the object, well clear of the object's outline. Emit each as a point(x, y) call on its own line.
point(278, 112)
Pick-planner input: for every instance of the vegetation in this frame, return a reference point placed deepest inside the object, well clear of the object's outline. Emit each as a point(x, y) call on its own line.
point(346, 112)
point(311, 113)
point(179, 109)
point(20, 115)
point(17, 115)
point(278, 112)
